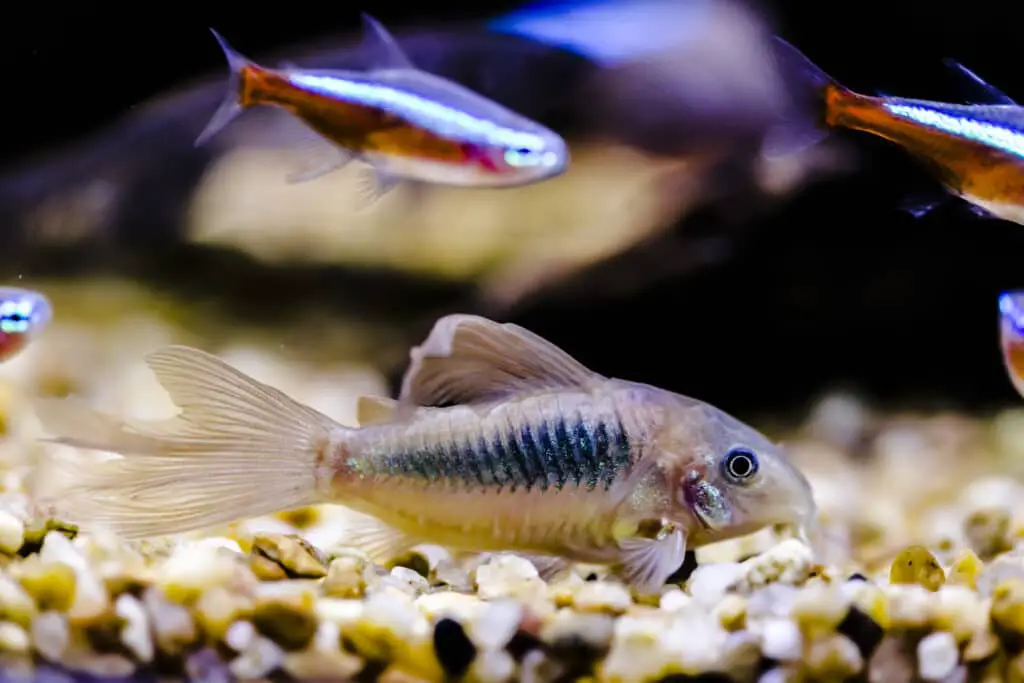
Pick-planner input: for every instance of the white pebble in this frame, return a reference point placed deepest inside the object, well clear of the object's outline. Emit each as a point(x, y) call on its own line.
point(710, 583)
point(13, 638)
point(937, 656)
point(57, 548)
point(135, 634)
point(240, 635)
point(505, 575)
point(602, 596)
point(781, 640)
point(51, 635)
point(493, 666)
point(789, 562)
point(12, 533)
point(496, 624)
point(261, 658)
point(674, 601)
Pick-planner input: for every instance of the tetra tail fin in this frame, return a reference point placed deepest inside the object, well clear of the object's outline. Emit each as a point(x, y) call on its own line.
point(812, 93)
point(238, 449)
point(233, 102)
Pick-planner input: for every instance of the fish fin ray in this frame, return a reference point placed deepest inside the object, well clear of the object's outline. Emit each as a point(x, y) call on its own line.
point(990, 94)
point(230, 106)
point(372, 183)
point(381, 49)
point(375, 410)
point(238, 449)
point(380, 541)
point(803, 125)
point(469, 359)
point(549, 567)
point(318, 157)
point(647, 563)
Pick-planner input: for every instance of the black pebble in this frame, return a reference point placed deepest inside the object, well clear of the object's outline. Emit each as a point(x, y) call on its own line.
point(857, 576)
point(687, 568)
point(522, 643)
point(453, 648)
point(862, 630)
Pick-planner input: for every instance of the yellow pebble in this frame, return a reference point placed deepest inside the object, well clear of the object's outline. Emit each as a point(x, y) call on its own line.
point(916, 565)
point(1008, 605)
point(965, 569)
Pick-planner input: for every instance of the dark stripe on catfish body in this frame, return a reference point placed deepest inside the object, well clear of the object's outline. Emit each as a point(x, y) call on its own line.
point(547, 455)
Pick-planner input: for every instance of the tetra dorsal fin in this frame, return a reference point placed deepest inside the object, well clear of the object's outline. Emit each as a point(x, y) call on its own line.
point(375, 410)
point(381, 49)
point(470, 359)
point(991, 94)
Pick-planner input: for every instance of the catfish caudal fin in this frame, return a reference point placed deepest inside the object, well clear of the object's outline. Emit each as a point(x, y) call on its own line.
point(238, 449)
point(804, 124)
point(232, 105)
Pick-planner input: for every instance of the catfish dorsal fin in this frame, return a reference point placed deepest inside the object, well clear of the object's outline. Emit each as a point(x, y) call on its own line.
point(380, 47)
point(375, 410)
point(469, 359)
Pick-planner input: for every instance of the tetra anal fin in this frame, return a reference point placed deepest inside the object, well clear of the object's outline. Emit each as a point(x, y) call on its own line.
point(468, 359)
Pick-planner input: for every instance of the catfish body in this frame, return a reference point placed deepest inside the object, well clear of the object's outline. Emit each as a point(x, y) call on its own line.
point(499, 441)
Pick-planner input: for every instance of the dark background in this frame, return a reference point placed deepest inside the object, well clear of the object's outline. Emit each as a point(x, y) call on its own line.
point(835, 289)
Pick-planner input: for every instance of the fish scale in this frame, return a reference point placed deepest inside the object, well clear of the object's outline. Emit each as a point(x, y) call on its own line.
point(522, 447)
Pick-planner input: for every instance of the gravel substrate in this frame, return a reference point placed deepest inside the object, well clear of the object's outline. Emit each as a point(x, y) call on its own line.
point(922, 576)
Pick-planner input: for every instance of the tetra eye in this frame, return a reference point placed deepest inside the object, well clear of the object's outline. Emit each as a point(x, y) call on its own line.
point(740, 465)
point(519, 157)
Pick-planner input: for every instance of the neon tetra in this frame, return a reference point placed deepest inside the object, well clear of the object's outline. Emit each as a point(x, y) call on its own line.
point(976, 151)
point(23, 315)
point(405, 123)
point(499, 441)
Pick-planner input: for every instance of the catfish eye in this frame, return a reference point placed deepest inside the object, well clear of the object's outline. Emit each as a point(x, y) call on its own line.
point(739, 465)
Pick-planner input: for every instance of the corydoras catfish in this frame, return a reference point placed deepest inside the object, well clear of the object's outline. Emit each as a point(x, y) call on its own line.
point(499, 441)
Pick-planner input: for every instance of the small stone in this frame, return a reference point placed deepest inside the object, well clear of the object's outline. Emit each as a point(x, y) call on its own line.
point(674, 600)
point(1007, 609)
point(781, 639)
point(14, 639)
point(323, 661)
point(289, 621)
point(423, 559)
point(710, 582)
point(937, 656)
point(981, 646)
point(820, 609)
point(602, 596)
point(410, 581)
point(16, 605)
point(789, 562)
point(135, 633)
point(218, 608)
point(51, 585)
point(239, 635)
point(507, 575)
point(206, 666)
point(496, 624)
point(173, 626)
point(281, 556)
point(732, 612)
point(916, 565)
point(458, 606)
point(966, 568)
point(959, 611)
point(51, 635)
point(12, 533)
point(583, 635)
point(453, 648)
point(346, 577)
point(910, 606)
point(833, 657)
point(494, 666)
point(191, 570)
point(987, 531)
point(261, 658)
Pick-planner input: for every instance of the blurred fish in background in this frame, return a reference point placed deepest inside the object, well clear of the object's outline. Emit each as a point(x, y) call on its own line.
point(663, 104)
